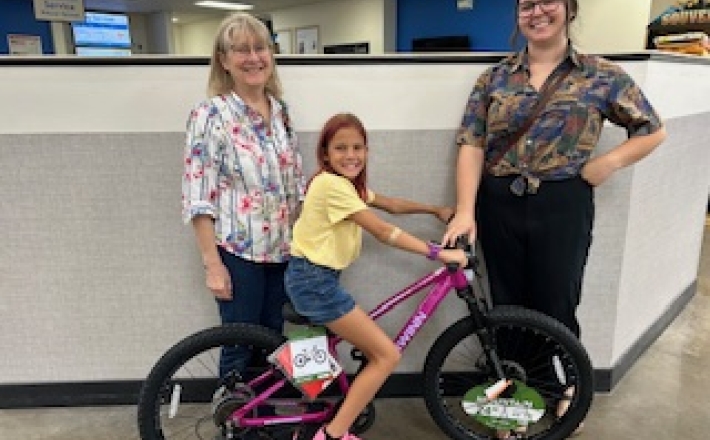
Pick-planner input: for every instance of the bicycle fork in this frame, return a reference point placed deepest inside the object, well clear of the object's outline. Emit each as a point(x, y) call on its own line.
point(483, 330)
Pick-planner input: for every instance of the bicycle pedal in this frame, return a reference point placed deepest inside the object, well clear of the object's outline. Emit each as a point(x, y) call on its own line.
point(304, 432)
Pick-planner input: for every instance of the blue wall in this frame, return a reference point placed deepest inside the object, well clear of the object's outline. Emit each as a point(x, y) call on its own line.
point(489, 24)
point(18, 17)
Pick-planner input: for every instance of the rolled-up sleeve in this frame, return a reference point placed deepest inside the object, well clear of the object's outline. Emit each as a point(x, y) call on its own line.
point(629, 107)
point(473, 125)
point(199, 180)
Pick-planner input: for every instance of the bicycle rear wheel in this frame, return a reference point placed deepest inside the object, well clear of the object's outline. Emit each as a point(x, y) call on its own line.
point(183, 397)
point(541, 356)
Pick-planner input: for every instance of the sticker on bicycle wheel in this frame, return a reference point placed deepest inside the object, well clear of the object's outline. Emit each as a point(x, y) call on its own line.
point(523, 407)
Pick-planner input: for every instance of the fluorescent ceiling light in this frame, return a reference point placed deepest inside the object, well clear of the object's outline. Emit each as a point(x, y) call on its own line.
point(224, 5)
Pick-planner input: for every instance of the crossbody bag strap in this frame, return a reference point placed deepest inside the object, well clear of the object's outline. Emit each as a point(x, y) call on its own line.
point(547, 93)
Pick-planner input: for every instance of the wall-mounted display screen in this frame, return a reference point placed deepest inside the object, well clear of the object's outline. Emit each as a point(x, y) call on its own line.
point(102, 30)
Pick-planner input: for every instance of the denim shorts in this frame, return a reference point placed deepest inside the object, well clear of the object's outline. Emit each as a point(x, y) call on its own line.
point(315, 291)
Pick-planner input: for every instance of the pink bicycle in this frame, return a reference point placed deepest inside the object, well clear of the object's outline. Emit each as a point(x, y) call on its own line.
point(531, 361)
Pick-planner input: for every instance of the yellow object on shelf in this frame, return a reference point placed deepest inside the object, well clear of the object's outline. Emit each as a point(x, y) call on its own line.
point(692, 43)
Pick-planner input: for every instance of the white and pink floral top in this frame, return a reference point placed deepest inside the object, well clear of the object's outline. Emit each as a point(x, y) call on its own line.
point(248, 177)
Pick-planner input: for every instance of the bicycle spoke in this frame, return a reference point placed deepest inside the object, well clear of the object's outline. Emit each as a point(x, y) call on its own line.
point(184, 398)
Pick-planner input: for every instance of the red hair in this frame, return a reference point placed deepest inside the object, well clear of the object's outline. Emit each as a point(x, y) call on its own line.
point(331, 127)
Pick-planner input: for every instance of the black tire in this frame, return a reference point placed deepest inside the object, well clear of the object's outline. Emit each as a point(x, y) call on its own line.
point(533, 348)
point(192, 368)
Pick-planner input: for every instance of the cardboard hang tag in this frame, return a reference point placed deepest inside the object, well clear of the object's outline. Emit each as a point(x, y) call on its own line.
point(307, 362)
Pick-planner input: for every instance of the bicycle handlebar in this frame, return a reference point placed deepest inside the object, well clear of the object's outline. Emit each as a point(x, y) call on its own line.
point(469, 249)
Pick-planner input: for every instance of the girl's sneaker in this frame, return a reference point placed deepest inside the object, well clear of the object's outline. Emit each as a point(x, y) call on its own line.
point(320, 435)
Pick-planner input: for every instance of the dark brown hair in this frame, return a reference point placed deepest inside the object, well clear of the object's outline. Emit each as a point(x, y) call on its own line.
point(331, 127)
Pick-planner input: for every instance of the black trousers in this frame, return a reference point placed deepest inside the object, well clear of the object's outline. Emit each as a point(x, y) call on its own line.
point(536, 245)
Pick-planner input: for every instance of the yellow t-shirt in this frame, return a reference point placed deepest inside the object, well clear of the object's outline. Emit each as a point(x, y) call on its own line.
point(323, 234)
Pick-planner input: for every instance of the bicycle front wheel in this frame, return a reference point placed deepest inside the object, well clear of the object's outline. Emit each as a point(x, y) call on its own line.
point(541, 356)
point(184, 396)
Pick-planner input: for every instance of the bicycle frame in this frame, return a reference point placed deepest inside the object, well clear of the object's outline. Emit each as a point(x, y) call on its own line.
point(443, 279)
point(504, 382)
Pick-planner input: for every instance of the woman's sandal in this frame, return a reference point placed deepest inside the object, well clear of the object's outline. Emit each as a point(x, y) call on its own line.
point(563, 406)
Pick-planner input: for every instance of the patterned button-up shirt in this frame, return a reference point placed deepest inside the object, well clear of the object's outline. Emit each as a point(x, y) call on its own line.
point(566, 131)
point(245, 175)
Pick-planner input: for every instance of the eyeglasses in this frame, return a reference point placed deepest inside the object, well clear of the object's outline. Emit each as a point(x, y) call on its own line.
point(244, 50)
point(526, 8)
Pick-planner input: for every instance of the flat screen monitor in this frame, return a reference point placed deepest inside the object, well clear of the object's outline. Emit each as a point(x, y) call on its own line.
point(102, 30)
point(347, 48)
point(453, 43)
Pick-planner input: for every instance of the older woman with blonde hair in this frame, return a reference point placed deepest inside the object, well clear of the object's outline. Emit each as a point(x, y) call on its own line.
point(242, 183)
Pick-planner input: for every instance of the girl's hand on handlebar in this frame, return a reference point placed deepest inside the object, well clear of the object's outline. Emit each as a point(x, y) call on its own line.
point(218, 280)
point(457, 256)
point(460, 225)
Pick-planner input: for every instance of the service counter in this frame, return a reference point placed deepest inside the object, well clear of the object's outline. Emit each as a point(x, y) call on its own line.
point(98, 275)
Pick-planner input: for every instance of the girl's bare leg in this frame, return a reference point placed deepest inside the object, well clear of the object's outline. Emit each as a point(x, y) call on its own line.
point(362, 332)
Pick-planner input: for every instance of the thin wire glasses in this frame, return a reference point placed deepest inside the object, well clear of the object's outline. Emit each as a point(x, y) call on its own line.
point(244, 50)
point(526, 8)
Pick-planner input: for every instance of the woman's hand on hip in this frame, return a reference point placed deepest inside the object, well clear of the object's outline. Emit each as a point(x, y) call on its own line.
point(218, 280)
point(598, 170)
point(461, 225)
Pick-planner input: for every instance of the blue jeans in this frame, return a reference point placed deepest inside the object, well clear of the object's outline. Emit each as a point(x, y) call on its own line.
point(258, 296)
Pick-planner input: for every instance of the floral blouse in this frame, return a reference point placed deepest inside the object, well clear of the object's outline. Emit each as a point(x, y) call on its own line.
point(563, 136)
point(245, 175)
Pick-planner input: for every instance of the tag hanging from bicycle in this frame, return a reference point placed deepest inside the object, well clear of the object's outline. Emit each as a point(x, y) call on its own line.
point(306, 361)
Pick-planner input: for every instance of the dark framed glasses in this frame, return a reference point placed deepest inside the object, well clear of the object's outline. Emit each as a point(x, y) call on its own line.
point(526, 8)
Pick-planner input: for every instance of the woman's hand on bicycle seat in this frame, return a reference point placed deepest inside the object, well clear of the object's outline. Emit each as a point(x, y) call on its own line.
point(462, 224)
point(218, 280)
point(457, 256)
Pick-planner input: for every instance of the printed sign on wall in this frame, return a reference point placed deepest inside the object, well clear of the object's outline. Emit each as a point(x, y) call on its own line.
point(307, 40)
point(24, 44)
point(686, 12)
point(59, 10)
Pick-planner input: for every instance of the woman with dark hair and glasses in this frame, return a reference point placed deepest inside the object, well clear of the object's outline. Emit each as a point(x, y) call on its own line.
point(525, 174)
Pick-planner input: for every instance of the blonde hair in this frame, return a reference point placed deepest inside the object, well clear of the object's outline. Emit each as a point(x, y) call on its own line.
point(235, 26)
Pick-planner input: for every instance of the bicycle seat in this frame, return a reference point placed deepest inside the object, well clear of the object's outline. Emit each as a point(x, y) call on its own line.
point(292, 316)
